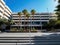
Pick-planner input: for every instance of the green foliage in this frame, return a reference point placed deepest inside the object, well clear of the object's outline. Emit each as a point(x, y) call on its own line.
point(58, 1)
point(3, 21)
point(33, 30)
point(6, 21)
point(51, 24)
point(52, 21)
point(58, 6)
point(58, 10)
point(12, 22)
point(19, 13)
point(24, 11)
point(33, 11)
point(13, 29)
point(57, 24)
point(28, 15)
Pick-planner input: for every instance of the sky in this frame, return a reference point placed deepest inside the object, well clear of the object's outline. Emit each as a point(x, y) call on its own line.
point(38, 5)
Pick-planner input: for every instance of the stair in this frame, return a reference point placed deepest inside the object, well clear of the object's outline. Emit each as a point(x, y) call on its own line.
point(36, 40)
point(27, 39)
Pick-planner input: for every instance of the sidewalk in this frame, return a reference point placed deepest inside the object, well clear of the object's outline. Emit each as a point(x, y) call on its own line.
point(25, 34)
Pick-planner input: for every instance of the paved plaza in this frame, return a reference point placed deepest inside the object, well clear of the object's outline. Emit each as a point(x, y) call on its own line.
point(26, 34)
point(30, 38)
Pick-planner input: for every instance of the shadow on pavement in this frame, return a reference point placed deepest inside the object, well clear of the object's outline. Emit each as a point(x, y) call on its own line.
point(52, 39)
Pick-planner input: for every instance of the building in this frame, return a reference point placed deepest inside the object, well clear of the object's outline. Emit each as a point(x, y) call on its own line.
point(5, 11)
point(36, 22)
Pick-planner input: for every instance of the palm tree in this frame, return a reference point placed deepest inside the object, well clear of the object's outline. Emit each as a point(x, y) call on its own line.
point(28, 15)
point(33, 13)
point(25, 13)
point(19, 13)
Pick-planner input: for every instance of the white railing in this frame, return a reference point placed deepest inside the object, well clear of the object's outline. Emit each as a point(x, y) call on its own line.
point(32, 15)
point(7, 14)
point(1, 14)
point(2, 9)
point(2, 5)
point(27, 25)
point(30, 20)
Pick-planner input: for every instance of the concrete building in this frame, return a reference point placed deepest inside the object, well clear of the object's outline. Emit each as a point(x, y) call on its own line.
point(5, 11)
point(36, 22)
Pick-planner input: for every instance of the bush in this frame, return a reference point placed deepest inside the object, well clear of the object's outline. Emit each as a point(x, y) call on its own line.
point(33, 30)
point(13, 29)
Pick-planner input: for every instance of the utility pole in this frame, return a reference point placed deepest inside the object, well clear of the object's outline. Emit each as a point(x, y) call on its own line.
point(48, 13)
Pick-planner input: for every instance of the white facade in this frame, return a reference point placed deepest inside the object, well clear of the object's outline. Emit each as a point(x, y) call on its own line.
point(38, 20)
point(5, 11)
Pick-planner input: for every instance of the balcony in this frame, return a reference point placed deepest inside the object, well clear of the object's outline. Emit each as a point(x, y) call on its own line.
point(2, 5)
point(30, 15)
point(5, 17)
point(23, 17)
point(6, 14)
point(6, 10)
point(2, 9)
point(30, 20)
point(2, 2)
point(27, 25)
point(1, 14)
point(34, 17)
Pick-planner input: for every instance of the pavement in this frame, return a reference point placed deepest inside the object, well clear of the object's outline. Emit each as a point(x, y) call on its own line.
point(27, 34)
point(52, 38)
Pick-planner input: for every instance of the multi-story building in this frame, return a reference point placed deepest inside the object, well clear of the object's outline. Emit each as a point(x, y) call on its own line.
point(35, 21)
point(5, 11)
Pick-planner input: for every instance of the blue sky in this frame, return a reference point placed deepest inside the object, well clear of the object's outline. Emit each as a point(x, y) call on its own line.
point(38, 5)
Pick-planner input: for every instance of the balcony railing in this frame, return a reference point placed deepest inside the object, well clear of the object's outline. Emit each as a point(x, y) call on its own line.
point(27, 25)
point(17, 18)
point(29, 20)
point(31, 15)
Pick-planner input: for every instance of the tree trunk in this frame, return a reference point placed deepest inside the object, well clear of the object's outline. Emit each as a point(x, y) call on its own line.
point(19, 23)
point(31, 22)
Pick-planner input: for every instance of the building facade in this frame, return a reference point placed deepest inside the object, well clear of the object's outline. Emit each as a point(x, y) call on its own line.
point(5, 11)
point(34, 21)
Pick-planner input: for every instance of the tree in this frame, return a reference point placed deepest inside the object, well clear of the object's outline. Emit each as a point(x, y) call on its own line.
point(3, 24)
point(58, 1)
point(58, 10)
point(33, 13)
point(25, 13)
point(57, 24)
point(51, 24)
point(28, 15)
point(19, 13)
point(11, 22)
point(58, 15)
